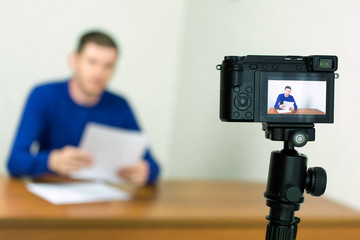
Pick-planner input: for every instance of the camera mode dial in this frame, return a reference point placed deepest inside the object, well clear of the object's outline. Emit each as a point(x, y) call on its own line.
point(242, 101)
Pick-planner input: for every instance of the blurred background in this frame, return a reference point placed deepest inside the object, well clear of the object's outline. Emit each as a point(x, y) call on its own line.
point(169, 50)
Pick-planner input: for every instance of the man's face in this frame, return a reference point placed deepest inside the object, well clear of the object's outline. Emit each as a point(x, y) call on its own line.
point(93, 68)
point(287, 92)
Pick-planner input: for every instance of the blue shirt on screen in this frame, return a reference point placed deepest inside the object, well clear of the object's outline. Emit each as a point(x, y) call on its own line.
point(281, 98)
point(54, 120)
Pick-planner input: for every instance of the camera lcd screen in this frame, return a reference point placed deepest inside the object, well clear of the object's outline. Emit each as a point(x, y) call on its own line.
point(296, 97)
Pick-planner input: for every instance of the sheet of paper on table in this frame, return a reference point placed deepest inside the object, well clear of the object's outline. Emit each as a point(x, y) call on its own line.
point(77, 192)
point(283, 111)
point(112, 148)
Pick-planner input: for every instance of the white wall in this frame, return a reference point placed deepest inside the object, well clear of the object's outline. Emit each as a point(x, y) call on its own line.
point(204, 147)
point(36, 37)
point(167, 69)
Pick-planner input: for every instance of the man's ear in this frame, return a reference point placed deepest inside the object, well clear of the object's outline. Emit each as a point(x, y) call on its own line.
point(73, 57)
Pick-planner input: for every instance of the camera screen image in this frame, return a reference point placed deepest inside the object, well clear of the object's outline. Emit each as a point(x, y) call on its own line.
point(290, 97)
point(296, 97)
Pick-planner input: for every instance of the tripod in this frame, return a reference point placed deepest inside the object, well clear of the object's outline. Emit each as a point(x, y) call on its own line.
point(288, 178)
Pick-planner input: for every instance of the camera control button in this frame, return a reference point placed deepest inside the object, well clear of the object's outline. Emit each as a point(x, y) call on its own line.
point(248, 115)
point(264, 66)
point(242, 101)
point(249, 89)
point(232, 58)
point(275, 67)
point(253, 66)
point(237, 89)
point(236, 115)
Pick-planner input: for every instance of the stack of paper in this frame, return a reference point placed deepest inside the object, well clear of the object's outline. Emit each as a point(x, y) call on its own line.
point(74, 193)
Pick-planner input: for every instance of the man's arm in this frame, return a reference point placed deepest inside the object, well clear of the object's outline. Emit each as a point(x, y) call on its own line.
point(278, 102)
point(32, 125)
point(295, 106)
point(131, 123)
point(153, 167)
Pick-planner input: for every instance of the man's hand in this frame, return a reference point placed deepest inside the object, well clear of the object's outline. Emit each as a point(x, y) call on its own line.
point(282, 106)
point(137, 174)
point(68, 159)
point(291, 108)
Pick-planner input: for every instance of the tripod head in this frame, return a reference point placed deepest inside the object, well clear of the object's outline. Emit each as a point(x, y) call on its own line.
point(295, 135)
point(288, 178)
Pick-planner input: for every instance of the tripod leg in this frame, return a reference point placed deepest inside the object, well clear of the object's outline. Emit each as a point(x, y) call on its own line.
point(285, 229)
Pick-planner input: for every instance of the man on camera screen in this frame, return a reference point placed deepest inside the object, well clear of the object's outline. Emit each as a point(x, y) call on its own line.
point(285, 101)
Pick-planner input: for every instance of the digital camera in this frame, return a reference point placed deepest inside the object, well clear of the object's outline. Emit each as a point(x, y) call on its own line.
point(277, 89)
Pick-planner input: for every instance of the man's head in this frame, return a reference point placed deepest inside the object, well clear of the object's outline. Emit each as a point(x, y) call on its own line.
point(287, 91)
point(94, 62)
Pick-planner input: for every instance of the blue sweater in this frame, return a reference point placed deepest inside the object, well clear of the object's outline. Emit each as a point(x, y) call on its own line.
point(281, 98)
point(54, 120)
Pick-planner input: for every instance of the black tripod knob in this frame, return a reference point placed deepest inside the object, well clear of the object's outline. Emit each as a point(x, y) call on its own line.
point(316, 181)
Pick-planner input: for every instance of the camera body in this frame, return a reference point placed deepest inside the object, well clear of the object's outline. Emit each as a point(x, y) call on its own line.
point(277, 89)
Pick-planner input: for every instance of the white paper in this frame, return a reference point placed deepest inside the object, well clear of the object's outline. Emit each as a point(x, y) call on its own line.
point(74, 193)
point(287, 107)
point(112, 149)
point(283, 111)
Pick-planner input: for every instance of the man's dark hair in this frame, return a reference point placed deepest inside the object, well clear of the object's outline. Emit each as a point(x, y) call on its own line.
point(288, 87)
point(97, 37)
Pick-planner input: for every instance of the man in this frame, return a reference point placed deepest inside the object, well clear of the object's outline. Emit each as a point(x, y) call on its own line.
point(286, 101)
point(56, 114)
